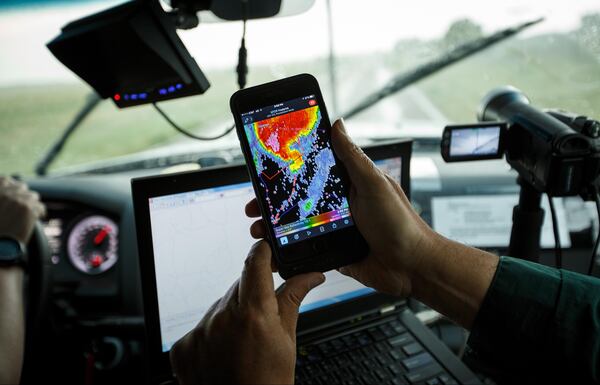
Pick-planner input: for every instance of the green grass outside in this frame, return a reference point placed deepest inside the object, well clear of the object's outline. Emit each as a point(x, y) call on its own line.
point(554, 71)
point(32, 117)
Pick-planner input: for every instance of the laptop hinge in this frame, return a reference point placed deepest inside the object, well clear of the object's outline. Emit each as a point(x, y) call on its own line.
point(387, 309)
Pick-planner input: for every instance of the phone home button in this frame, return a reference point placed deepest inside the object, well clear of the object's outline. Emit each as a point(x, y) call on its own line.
point(319, 246)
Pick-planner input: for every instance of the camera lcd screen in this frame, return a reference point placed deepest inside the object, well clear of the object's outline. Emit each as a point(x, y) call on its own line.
point(475, 141)
point(297, 171)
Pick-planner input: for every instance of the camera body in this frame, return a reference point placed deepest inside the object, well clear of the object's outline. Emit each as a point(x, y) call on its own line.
point(556, 152)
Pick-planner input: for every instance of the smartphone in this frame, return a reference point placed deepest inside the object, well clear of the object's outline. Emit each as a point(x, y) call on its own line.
point(300, 184)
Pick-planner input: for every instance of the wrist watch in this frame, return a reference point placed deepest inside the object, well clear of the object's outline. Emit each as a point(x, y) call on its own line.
point(12, 253)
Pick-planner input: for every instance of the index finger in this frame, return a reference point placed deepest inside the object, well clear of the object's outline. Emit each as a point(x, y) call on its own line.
point(256, 285)
point(252, 209)
point(362, 171)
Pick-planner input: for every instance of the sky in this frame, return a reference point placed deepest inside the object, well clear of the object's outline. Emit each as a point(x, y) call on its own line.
point(24, 58)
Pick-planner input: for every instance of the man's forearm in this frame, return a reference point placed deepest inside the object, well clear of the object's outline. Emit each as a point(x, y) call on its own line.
point(11, 324)
point(454, 279)
point(540, 324)
point(524, 317)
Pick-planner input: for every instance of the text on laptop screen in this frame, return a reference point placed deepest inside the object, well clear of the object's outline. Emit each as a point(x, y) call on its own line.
point(200, 241)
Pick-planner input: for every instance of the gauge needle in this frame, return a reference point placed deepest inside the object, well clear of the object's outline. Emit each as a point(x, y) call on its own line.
point(101, 235)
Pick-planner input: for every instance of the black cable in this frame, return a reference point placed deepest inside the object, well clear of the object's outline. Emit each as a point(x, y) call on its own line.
point(242, 67)
point(595, 251)
point(557, 247)
point(242, 71)
point(187, 133)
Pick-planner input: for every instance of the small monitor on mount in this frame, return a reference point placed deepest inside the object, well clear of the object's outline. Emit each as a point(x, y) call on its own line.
point(131, 54)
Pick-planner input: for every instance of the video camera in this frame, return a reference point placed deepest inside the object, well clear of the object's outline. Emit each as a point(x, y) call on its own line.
point(555, 151)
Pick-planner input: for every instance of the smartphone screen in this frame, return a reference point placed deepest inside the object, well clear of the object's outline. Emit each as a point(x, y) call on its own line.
point(305, 195)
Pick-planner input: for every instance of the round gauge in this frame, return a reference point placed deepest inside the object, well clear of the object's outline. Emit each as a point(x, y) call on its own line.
point(92, 244)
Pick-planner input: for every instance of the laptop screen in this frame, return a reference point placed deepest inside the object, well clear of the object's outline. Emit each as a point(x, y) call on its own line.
point(200, 240)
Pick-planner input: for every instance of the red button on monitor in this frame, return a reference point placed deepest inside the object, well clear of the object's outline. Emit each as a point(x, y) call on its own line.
point(312, 102)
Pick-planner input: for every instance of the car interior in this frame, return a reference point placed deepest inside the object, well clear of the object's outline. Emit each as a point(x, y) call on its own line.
point(106, 105)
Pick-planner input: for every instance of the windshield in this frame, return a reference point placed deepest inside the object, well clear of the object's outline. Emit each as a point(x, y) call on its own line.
point(556, 63)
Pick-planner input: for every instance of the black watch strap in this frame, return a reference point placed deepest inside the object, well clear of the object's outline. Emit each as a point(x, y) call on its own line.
point(12, 252)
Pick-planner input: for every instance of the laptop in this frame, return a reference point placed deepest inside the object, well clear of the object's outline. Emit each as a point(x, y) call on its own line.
point(193, 238)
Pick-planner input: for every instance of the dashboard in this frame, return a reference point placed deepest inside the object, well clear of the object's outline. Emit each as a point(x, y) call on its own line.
point(91, 234)
point(91, 228)
point(96, 289)
point(82, 239)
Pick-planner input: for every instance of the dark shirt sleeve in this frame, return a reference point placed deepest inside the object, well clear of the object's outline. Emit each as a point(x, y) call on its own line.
point(540, 321)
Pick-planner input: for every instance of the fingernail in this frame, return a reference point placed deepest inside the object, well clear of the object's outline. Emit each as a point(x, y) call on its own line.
point(342, 125)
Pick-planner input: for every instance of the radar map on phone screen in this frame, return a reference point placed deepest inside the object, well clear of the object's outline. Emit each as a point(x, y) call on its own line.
point(292, 155)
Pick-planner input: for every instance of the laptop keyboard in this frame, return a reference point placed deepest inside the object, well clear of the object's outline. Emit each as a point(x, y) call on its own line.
point(383, 354)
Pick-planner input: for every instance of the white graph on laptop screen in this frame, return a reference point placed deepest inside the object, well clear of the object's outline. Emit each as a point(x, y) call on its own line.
point(200, 241)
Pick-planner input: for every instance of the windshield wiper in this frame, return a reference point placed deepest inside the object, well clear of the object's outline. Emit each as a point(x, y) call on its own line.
point(405, 79)
point(42, 165)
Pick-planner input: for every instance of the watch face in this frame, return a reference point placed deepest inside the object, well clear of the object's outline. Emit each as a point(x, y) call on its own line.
point(10, 250)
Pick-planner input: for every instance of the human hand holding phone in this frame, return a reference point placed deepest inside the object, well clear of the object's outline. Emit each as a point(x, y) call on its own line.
point(249, 335)
point(406, 256)
point(396, 235)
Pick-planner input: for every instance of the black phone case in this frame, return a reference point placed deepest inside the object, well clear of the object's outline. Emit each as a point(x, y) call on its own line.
point(321, 253)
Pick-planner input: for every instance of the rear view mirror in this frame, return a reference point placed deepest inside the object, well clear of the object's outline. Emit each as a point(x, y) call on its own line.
point(233, 10)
